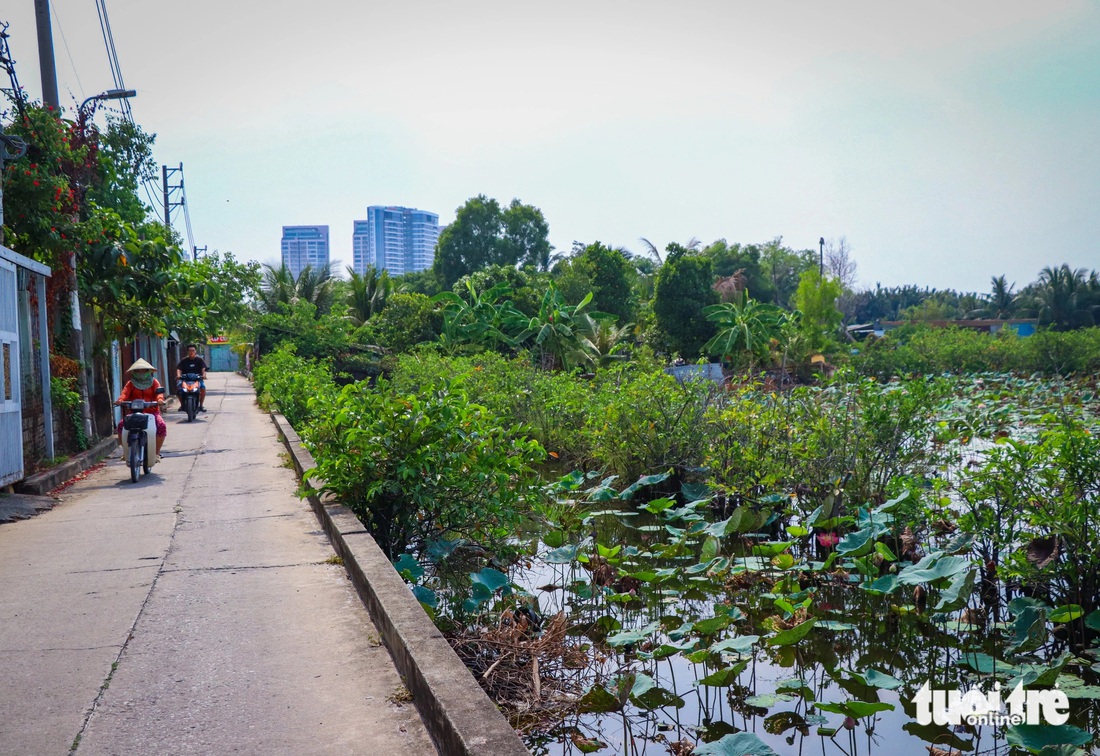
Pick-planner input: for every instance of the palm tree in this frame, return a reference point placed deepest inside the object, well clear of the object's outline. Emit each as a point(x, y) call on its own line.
point(317, 286)
point(277, 288)
point(1063, 297)
point(1002, 300)
point(367, 293)
point(280, 287)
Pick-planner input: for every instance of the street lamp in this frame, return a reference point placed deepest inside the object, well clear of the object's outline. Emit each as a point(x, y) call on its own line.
point(110, 94)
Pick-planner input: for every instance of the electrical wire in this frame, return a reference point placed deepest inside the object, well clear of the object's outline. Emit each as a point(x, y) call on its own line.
point(186, 214)
point(69, 53)
point(149, 184)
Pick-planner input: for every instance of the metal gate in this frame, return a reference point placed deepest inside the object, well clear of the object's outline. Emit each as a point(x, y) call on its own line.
point(11, 419)
point(222, 358)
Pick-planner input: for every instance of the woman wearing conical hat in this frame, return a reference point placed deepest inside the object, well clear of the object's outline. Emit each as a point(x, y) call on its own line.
point(142, 385)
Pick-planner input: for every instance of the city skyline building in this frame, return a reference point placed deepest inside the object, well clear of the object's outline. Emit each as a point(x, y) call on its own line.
point(305, 246)
point(397, 239)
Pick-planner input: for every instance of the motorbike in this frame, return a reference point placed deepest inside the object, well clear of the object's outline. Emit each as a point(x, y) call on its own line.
point(189, 394)
point(141, 434)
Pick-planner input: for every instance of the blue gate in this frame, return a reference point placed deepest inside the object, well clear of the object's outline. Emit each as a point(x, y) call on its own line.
point(222, 358)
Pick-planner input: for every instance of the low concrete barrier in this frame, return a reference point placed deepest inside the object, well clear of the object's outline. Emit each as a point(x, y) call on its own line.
point(42, 483)
point(459, 716)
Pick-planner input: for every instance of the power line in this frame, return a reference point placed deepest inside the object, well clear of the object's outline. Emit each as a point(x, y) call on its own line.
point(68, 52)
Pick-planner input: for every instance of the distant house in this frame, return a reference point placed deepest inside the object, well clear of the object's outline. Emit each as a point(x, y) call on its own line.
point(1022, 326)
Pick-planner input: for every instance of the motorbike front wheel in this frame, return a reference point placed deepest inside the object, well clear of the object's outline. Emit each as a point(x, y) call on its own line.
point(192, 407)
point(135, 460)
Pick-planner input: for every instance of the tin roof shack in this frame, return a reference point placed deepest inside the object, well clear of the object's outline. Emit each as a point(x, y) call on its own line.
point(26, 407)
point(1022, 326)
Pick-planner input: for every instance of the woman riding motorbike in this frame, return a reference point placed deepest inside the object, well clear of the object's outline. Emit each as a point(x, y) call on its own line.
point(142, 385)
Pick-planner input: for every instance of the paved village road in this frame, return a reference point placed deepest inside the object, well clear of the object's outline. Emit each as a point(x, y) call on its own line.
point(194, 612)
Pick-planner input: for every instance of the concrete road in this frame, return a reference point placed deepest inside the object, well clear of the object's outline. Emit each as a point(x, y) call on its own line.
point(195, 612)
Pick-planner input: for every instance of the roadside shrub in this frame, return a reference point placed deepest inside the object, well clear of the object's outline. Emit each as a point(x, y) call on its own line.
point(286, 382)
point(417, 467)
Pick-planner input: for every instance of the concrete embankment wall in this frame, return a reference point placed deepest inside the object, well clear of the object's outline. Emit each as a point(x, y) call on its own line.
point(459, 716)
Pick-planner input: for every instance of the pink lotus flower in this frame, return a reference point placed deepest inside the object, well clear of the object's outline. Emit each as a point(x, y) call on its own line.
point(828, 540)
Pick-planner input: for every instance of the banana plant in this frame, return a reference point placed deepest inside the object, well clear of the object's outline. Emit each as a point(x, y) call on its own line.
point(475, 321)
point(558, 333)
point(746, 328)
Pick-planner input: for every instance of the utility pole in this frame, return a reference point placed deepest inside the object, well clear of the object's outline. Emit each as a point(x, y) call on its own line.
point(821, 256)
point(45, 53)
point(165, 172)
point(49, 98)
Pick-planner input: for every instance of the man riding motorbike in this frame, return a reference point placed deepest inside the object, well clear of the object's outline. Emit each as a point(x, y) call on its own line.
point(192, 363)
point(142, 385)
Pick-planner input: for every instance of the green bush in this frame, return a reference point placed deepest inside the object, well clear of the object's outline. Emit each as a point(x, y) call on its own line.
point(642, 422)
point(841, 443)
point(917, 349)
point(408, 320)
point(286, 382)
point(417, 467)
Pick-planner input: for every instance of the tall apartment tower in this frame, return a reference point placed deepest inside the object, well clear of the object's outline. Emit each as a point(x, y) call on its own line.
point(305, 246)
point(397, 239)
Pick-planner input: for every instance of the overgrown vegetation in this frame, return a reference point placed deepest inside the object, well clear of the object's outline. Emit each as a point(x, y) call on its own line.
point(780, 556)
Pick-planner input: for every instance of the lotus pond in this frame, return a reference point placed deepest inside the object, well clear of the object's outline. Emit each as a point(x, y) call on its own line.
point(795, 591)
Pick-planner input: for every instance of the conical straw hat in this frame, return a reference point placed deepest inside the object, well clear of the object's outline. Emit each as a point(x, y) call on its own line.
point(140, 365)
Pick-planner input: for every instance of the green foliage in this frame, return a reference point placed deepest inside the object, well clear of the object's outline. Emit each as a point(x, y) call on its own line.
point(280, 288)
point(475, 321)
point(407, 320)
point(606, 274)
point(846, 442)
point(485, 234)
point(1067, 298)
point(729, 259)
point(216, 292)
point(135, 283)
point(525, 287)
point(41, 204)
point(925, 350)
point(745, 330)
point(558, 334)
point(646, 422)
point(417, 467)
point(66, 401)
point(125, 159)
point(313, 337)
point(288, 383)
point(627, 420)
point(820, 319)
point(1037, 503)
point(367, 294)
point(784, 267)
point(683, 291)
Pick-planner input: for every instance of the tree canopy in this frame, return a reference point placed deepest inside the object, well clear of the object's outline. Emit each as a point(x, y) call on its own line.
point(485, 234)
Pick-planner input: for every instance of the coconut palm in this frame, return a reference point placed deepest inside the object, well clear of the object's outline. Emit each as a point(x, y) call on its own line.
point(367, 293)
point(1002, 300)
point(1064, 297)
point(281, 287)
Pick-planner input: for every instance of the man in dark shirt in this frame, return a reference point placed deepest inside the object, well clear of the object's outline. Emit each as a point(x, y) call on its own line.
point(192, 363)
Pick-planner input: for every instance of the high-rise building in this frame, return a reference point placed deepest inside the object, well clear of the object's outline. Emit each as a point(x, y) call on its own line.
point(305, 246)
point(397, 239)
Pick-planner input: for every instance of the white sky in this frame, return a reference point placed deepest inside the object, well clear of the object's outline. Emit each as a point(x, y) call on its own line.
point(948, 141)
